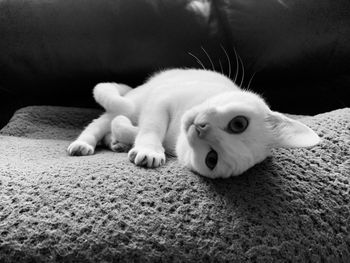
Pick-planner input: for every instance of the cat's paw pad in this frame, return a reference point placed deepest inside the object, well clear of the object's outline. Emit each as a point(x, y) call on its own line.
point(146, 157)
point(80, 148)
point(119, 147)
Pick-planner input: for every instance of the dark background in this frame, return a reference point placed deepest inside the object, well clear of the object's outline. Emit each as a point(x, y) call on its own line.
point(54, 52)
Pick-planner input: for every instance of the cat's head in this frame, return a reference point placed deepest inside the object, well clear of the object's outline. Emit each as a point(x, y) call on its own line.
point(231, 132)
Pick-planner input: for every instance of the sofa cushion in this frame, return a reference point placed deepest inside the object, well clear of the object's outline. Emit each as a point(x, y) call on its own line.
point(294, 206)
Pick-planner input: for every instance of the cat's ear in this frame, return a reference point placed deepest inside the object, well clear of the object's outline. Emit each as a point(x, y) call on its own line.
point(290, 133)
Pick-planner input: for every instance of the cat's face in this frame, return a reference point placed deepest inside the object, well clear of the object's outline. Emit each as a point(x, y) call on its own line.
point(229, 133)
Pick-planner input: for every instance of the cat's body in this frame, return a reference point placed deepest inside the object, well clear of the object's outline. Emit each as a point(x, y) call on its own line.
point(171, 94)
point(214, 127)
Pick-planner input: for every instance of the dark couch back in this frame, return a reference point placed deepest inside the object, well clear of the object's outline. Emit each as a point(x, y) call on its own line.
point(54, 52)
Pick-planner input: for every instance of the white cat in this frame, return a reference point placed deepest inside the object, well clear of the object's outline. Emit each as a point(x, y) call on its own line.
point(214, 128)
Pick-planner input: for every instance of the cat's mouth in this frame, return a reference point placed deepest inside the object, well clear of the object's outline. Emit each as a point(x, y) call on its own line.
point(197, 131)
point(188, 123)
point(192, 134)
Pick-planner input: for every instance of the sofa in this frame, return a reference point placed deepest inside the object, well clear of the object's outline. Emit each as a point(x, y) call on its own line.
point(292, 207)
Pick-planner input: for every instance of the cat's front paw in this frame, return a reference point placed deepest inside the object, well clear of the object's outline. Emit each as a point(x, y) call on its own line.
point(80, 148)
point(119, 147)
point(143, 156)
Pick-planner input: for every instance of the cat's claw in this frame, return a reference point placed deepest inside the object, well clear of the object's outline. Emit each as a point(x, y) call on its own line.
point(146, 157)
point(80, 148)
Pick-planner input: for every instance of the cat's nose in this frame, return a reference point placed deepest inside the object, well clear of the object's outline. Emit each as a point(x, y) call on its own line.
point(202, 129)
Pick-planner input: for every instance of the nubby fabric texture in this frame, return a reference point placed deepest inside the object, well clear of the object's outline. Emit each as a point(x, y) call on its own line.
point(293, 207)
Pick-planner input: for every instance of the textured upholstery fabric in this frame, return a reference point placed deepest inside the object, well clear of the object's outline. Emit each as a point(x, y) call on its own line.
point(293, 207)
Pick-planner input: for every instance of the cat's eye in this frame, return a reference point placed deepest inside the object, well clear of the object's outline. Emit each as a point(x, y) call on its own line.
point(211, 159)
point(238, 124)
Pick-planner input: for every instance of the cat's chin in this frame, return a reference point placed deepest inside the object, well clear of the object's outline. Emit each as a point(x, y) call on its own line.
point(191, 153)
point(183, 150)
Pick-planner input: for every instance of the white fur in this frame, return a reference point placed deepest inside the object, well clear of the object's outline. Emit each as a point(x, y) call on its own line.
point(164, 114)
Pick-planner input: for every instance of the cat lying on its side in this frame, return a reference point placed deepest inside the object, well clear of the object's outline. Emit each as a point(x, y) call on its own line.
point(213, 127)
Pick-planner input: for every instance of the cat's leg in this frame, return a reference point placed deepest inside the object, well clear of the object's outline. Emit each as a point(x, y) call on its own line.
point(122, 135)
point(86, 142)
point(148, 149)
point(121, 88)
point(110, 97)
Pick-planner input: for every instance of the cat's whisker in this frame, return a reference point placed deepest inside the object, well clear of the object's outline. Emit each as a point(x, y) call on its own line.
point(228, 61)
point(197, 60)
point(211, 62)
point(250, 81)
point(221, 69)
point(237, 65)
point(243, 71)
